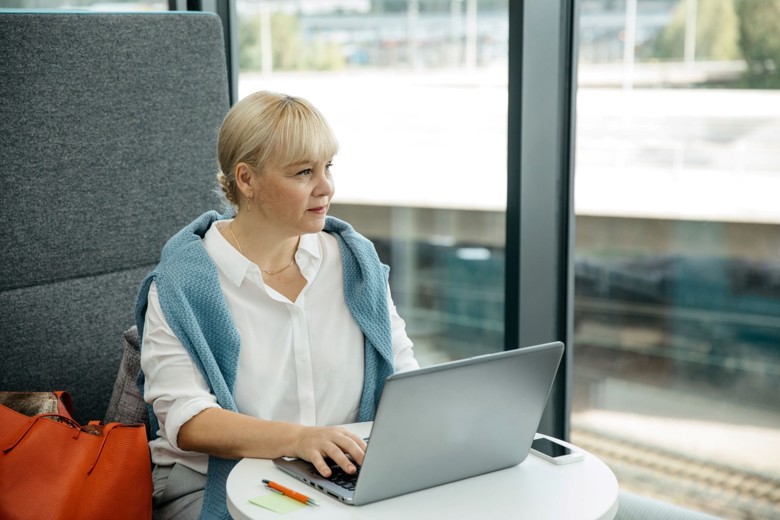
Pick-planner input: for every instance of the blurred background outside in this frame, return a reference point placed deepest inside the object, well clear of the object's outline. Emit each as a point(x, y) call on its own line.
point(677, 261)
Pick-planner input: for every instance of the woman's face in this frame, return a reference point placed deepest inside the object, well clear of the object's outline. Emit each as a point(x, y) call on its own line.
point(294, 198)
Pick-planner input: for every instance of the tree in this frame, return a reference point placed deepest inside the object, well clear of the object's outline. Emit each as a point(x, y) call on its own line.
point(289, 50)
point(759, 40)
point(717, 31)
point(249, 49)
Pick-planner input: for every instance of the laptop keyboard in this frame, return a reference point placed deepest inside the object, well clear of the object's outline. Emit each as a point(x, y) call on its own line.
point(340, 477)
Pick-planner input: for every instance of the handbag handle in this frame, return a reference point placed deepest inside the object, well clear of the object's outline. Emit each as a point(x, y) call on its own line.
point(66, 400)
point(106, 431)
point(70, 422)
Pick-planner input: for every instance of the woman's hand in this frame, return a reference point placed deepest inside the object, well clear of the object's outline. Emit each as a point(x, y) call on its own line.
point(233, 435)
point(316, 443)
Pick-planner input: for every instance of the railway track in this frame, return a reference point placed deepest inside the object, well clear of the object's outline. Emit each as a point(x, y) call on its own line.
point(720, 490)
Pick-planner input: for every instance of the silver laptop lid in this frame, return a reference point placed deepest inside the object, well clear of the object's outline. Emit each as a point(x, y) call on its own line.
point(456, 420)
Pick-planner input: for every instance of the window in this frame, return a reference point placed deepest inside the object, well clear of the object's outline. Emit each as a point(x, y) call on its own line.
point(416, 92)
point(90, 5)
point(677, 306)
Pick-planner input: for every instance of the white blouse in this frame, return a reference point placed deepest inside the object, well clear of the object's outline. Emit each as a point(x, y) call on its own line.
point(300, 361)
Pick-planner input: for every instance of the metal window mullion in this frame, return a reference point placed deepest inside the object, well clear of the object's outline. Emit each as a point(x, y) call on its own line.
point(226, 10)
point(540, 214)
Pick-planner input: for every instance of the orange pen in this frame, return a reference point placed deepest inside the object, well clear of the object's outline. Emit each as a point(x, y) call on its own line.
point(300, 497)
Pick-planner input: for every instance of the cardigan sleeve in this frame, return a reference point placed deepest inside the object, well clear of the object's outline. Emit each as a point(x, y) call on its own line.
point(173, 385)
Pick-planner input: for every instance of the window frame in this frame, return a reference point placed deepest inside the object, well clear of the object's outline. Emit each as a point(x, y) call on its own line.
point(539, 298)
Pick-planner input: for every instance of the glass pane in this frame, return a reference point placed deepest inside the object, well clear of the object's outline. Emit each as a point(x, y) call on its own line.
point(677, 306)
point(416, 93)
point(90, 5)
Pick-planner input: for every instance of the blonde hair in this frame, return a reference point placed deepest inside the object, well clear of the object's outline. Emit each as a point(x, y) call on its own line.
point(268, 126)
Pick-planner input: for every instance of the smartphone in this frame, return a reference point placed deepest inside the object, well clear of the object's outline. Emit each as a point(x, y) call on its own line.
point(555, 452)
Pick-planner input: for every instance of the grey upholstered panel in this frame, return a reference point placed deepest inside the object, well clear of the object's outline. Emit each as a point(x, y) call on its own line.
point(68, 336)
point(108, 127)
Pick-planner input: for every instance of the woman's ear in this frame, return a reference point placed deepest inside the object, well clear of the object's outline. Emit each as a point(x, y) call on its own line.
point(245, 180)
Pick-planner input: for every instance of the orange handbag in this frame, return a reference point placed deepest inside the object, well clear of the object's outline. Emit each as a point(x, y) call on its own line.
point(53, 468)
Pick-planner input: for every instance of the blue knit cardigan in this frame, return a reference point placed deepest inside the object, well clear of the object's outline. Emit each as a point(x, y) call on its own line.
point(194, 306)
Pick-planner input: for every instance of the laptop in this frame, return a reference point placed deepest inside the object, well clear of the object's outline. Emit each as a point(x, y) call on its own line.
point(446, 422)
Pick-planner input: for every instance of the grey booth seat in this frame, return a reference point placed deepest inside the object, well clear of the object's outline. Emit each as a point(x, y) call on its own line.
point(108, 127)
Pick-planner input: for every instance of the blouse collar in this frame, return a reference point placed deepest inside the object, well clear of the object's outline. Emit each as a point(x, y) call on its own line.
point(236, 266)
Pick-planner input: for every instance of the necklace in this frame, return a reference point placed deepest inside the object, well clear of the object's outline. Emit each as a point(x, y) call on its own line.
point(269, 273)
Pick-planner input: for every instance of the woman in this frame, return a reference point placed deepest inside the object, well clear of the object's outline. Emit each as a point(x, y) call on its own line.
point(263, 327)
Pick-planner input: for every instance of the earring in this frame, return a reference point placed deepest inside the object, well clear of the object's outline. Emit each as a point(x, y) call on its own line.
point(248, 205)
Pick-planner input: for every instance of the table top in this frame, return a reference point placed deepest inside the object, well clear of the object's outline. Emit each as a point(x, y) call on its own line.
point(586, 489)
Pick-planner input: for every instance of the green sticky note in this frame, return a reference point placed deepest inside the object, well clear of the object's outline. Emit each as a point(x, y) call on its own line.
point(277, 503)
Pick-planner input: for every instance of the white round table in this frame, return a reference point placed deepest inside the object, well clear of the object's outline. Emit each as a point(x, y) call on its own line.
point(586, 490)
